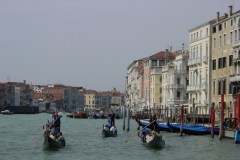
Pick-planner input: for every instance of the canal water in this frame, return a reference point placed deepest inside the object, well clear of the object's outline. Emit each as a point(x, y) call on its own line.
point(21, 138)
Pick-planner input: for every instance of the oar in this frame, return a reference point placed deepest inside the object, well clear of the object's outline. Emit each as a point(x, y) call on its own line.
point(138, 131)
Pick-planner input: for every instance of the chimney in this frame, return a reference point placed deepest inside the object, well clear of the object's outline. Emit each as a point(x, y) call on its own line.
point(218, 16)
point(225, 15)
point(24, 81)
point(230, 10)
point(183, 48)
point(170, 49)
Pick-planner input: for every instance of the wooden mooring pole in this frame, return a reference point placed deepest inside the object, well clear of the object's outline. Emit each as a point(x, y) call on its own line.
point(181, 120)
point(212, 121)
point(124, 114)
point(221, 118)
point(235, 110)
point(128, 119)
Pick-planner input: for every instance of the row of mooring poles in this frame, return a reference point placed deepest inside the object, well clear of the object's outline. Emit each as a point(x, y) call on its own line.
point(126, 114)
point(236, 115)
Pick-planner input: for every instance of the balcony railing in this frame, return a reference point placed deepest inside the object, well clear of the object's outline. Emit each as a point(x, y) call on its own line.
point(205, 59)
point(193, 87)
point(235, 78)
point(236, 43)
point(204, 86)
point(174, 86)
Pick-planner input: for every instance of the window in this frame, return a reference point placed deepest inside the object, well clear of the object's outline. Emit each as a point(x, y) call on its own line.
point(230, 60)
point(231, 37)
point(160, 89)
point(225, 25)
point(200, 51)
point(154, 62)
point(224, 62)
point(178, 94)
point(214, 42)
point(230, 88)
point(224, 39)
point(206, 48)
point(219, 27)
point(214, 87)
point(224, 86)
point(220, 41)
point(178, 80)
point(207, 31)
point(161, 78)
point(214, 29)
point(214, 64)
point(235, 36)
point(219, 63)
point(219, 87)
point(231, 22)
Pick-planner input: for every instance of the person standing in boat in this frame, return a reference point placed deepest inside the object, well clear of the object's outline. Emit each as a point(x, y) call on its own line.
point(57, 121)
point(153, 123)
point(112, 118)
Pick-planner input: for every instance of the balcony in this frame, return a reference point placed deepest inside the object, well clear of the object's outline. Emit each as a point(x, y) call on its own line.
point(193, 87)
point(236, 44)
point(205, 59)
point(194, 61)
point(235, 78)
point(174, 86)
point(204, 86)
point(236, 57)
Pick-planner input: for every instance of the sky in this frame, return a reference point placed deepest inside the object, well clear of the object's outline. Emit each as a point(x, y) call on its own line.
point(90, 43)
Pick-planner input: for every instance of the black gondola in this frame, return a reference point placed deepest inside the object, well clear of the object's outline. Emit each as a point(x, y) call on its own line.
point(53, 139)
point(50, 142)
point(151, 138)
point(107, 132)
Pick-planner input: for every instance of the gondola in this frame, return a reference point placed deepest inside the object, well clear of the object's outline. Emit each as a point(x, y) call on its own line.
point(237, 136)
point(151, 138)
point(108, 132)
point(192, 129)
point(50, 142)
point(53, 138)
point(162, 126)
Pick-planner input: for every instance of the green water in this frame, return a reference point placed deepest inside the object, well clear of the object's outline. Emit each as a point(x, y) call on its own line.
point(20, 138)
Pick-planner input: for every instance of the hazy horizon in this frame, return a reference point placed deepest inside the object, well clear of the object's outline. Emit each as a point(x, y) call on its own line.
point(90, 43)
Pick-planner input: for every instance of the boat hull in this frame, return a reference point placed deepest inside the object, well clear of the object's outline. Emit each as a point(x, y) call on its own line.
point(157, 142)
point(51, 143)
point(237, 136)
point(106, 133)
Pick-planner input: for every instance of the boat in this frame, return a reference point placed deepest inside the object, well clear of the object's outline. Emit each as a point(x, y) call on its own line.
point(151, 138)
point(237, 136)
point(162, 126)
point(53, 138)
point(189, 129)
point(109, 131)
point(99, 116)
point(70, 115)
point(80, 115)
point(7, 112)
point(51, 142)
